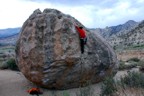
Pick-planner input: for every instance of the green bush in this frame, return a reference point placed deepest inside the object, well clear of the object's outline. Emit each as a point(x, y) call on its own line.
point(123, 66)
point(141, 63)
point(65, 93)
point(86, 91)
point(108, 87)
point(134, 59)
point(133, 79)
point(3, 65)
point(12, 64)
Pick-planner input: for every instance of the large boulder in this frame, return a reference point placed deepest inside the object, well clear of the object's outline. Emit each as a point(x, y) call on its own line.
point(48, 52)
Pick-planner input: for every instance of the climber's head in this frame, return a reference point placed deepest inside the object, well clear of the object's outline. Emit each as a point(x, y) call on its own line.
point(81, 27)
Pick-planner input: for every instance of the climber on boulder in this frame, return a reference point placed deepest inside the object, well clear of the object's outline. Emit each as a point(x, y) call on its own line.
point(83, 38)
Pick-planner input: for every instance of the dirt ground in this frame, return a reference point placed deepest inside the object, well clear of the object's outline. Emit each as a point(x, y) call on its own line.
point(13, 83)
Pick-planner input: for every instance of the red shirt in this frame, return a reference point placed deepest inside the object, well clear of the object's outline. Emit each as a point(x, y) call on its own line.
point(82, 33)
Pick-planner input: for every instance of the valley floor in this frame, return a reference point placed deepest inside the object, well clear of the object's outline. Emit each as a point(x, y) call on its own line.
point(128, 54)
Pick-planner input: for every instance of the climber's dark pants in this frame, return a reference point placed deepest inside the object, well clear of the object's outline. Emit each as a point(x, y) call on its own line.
point(82, 43)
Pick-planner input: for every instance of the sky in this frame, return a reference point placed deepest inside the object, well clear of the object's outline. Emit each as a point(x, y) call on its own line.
point(92, 13)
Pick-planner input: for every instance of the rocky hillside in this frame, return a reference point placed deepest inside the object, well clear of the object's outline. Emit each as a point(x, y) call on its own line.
point(109, 32)
point(125, 36)
point(133, 38)
point(9, 40)
point(129, 33)
point(8, 36)
point(8, 32)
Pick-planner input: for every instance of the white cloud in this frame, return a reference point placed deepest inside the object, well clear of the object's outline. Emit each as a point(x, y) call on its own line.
point(15, 12)
point(105, 13)
point(83, 14)
point(140, 1)
point(121, 12)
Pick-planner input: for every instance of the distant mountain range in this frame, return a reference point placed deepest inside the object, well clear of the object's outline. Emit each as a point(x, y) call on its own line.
point(9, 40)
point(116, 30)
point(124, 35)
point(9, 36)
point(8, 32)
point(127, 34)
point(133, 37)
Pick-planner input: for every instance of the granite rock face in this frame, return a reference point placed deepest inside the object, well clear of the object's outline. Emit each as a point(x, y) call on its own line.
point(48, 52)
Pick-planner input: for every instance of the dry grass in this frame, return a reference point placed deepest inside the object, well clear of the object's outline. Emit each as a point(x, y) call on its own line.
point(130, 92)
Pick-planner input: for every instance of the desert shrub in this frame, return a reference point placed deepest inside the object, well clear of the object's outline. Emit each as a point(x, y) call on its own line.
point(133, 79)
point(3, 65)
point(12, 64)
point(139, 46)
point(65, 93)
point(111, 87)
point(108, 87)
point(134, 59)
point(141, 63)
point(123, 66)
point(114, 47)
point(86, 91)
point(141, 66)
